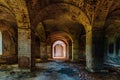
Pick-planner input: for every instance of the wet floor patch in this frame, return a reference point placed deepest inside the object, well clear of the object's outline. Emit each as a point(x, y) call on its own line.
point(68, 71)
point(57, 70)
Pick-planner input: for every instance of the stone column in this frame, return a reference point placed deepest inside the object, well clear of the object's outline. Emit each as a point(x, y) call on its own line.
point(21, 13)
point(43, 51)
point(24, 49)
point(49, 53)
point(75, 54)
point(70, 53)
point(88, 51)
point(67, 52)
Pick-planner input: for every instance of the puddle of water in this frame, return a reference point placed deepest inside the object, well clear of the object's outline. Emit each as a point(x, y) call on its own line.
point(68, 71)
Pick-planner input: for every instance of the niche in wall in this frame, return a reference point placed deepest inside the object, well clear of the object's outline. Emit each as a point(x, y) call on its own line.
point(59, 49)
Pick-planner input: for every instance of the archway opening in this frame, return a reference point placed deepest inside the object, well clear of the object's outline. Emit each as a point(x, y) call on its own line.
point(66, 21)
point(59, 50)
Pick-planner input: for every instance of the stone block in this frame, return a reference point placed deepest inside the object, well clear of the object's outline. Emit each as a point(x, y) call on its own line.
point(24, 62)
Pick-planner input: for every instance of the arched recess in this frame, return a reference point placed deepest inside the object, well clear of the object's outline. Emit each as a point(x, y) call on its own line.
point(20, 10)
point(9, 44)
point(59, 50)
point(76, 14)
point(40, 34)
point(8, 28)
point(60, 36)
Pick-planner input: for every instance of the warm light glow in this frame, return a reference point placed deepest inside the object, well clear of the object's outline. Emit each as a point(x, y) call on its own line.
point(59, 50)
point(0, 43)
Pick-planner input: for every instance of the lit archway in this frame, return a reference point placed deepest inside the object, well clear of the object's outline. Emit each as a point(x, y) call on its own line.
point(59, 50)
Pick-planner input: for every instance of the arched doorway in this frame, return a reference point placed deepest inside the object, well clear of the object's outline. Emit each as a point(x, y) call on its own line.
point(59, 50)
point(59, 36)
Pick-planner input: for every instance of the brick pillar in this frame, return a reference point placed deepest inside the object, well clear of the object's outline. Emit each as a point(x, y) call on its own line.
point(75, 54)
point(43, 51)
point(70, 53)
point(24, 49)
point(49, 51)
point(88, 52)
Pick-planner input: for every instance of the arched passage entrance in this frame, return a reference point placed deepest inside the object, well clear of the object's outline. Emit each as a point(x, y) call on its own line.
point(71, 13)
point(59, 50)
point(62, 41)
point(8, 36)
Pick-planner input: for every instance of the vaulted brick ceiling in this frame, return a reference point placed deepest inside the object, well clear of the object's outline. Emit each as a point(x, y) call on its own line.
point(97, 11)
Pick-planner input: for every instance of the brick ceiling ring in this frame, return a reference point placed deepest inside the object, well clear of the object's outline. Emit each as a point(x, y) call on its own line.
point(76, 12)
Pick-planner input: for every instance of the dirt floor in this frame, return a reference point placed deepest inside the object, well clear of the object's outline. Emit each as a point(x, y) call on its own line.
point(55, 70)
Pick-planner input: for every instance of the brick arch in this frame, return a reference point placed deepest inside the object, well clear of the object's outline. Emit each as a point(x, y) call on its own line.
point(40, 32)
point(64, 37)
point(60, 8)
point(77, 15)
point(8, 28)
point(20, 10)
point(60, 47)
point(113, 15)
point(8, 21)
point(7, 17)
point(60, 33)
